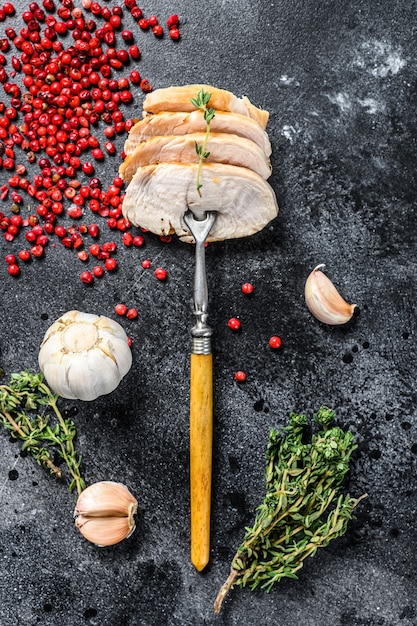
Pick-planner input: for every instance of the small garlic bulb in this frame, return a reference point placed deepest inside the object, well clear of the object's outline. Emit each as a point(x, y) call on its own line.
point(104, 513)
point(324, 301)
point(84, 356)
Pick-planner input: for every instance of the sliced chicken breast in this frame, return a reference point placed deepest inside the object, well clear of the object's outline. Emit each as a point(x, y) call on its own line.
point(222, 148)
point(179, 99)
point(183, 123)
point(158, 196)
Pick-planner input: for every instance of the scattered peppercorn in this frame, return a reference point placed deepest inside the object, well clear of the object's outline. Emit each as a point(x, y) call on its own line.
point(13, 269)
point(86, 277)
point(173, 21)
point(247, 288)
point(10, 259)
point(138, 241)
point(234, 323)
point(132, 314)
point(120, 309)
point(240, 376)
point(275, 342)
point(37, 251)
point(158, 31)
point(98, 271)
point(160, 273)
point(24, 255)
point(110, 264)
point(175, 34)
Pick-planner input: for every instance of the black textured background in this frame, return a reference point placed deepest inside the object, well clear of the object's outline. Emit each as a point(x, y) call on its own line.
point(339, 80)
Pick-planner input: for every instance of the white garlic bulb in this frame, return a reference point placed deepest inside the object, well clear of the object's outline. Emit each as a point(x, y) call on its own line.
point(324, 301)
point(104, 513)
point(84, 356)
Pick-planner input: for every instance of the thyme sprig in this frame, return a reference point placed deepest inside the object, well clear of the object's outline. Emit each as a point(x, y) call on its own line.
point(201, 102)
point(302, 510)
point(24, 403)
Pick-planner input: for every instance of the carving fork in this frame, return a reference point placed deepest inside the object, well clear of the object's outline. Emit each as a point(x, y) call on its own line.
point(201, 400)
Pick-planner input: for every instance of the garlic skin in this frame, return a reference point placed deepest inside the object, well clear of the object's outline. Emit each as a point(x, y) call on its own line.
point(84, 356)
point(324, 301)
point(104, 513)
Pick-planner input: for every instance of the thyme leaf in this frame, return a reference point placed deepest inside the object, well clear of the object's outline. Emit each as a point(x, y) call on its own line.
point(201, 102)
point(302, 509)
point(23, 405)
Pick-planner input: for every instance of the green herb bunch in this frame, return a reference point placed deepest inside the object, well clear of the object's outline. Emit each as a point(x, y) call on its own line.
point(201, 102)
point(24, 405)
point(302, 510)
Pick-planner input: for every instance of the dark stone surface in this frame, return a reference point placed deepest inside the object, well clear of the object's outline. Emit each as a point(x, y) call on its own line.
point(339, 80)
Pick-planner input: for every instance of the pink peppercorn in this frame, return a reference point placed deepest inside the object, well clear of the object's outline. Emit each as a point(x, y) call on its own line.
point(123, 224)
point(93, 230)
point(144, 85)
point(127, 239)
point(138, 241)
point(240, 376)
point(146, 264)
point(110, 147)
point(86, 277)
point(13, 269)
point(275, 342)
point(234, 323)
point(109, 246)
point(136, 13)
point(110, 264)
point(24, 255)
point(160, 273)
point(98, 271)
point(8, 8)
point(143, 23)
point(175, 34)
point(37, 251)
point(172, 21)
point(120, 309)
point(127, 35)
point(132, 314)
point(247, 288)
point(158, 31)
point(135, 77)
point(134, 52)
point(75, 212)
point(95, 250)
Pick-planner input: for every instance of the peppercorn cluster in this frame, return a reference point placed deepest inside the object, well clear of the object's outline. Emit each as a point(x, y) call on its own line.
point(69, 81)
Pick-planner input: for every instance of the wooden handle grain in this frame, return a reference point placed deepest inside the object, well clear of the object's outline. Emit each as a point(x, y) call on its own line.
point(201, 443)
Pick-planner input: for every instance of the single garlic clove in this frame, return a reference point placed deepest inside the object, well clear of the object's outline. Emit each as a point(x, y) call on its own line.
point(324, 301)
point(105, 499)
point(104, 513)
point(104, 531)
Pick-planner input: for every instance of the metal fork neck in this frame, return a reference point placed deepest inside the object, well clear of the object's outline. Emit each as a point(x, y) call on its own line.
point(201, 333)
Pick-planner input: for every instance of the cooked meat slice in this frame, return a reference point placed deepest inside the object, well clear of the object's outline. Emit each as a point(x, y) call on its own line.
point(179, 99)
point(222, 148)
point(182, 123)
point(158, 196)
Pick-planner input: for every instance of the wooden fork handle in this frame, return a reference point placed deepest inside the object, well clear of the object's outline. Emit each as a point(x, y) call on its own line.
point(201, 443)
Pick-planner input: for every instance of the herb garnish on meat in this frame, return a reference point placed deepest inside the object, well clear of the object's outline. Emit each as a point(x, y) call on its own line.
point(201, 102)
